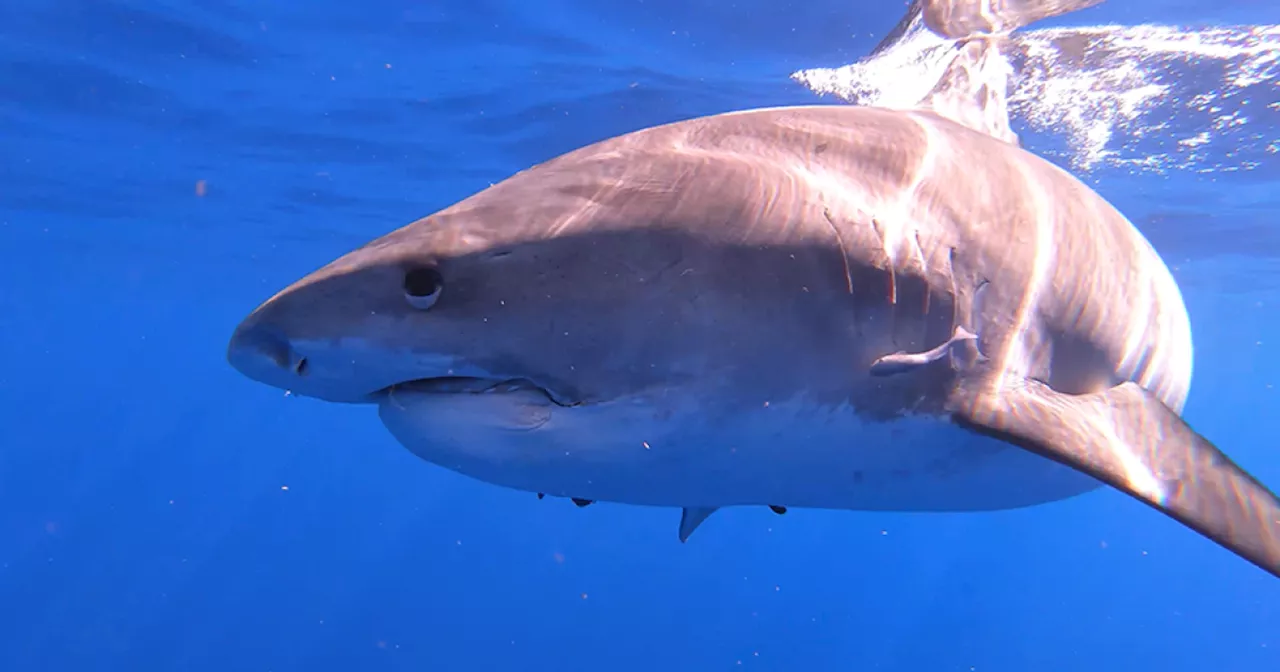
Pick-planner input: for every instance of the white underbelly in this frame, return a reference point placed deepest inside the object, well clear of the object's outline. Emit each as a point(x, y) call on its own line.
point(784, 453)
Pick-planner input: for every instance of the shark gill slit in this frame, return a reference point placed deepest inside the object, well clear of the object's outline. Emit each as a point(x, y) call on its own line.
point(848, 273)
point(888, 264)
point(953, 287)
point(924, 265)
point(959, 316)
point(844, 254)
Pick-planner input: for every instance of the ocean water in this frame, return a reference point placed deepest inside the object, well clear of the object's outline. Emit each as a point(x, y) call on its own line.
point(166, 165)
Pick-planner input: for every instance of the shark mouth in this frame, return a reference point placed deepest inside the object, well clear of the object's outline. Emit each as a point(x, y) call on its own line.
point(465, 385)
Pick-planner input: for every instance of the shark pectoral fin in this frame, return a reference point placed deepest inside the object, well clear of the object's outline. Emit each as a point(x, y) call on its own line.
point(691, 518)
point(1128, 439)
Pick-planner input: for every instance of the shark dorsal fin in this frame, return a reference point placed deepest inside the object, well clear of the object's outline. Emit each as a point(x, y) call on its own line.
point(973, 88)
point(959, 19)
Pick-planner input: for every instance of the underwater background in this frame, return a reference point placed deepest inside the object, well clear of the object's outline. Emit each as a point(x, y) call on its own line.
point(166, 165)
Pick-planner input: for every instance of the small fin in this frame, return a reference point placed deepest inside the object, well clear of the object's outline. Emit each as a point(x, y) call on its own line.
point(1128, 439)
point(580, 502)
point(691, 518)
point(778, 509)
point(901, 362)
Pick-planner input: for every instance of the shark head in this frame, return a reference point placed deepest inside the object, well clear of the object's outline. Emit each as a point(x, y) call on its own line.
point(493, 298)
point(491, 336)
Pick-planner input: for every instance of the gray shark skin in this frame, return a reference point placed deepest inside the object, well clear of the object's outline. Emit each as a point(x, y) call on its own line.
point(817, 307)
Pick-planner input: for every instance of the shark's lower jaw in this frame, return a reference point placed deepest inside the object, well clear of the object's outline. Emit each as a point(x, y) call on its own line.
point(448, 385)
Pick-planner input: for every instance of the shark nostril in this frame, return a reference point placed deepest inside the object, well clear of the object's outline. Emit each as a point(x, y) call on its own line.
point(256, 348)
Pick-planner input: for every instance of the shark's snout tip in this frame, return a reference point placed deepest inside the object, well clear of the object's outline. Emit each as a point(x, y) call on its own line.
point(263, 354)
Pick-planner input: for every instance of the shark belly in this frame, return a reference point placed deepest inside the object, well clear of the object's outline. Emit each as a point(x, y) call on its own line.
point(664, 451)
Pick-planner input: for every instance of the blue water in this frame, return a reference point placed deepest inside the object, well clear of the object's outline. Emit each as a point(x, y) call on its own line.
point(166, 165)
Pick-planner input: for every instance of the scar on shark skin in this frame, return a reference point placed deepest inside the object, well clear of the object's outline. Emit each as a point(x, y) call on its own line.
point(902, 361)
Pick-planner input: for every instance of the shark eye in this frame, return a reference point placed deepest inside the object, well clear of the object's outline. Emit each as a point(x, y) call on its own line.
point(422, 287)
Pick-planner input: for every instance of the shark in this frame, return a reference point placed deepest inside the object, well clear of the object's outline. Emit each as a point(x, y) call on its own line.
point(816, 306)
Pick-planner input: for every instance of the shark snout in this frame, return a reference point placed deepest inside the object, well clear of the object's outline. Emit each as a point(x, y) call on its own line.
point(265, 355)
point(332, 367)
